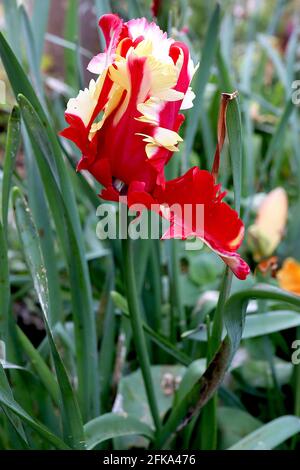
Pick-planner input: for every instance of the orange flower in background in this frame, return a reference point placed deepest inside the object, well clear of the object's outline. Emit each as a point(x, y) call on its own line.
point(289, 276)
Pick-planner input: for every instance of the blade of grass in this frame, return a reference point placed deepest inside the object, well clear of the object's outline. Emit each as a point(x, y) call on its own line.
point(71, 34)
point(12, 24)
point(14, 420)
point(39, 24)
point(15, 408)
point(277, 141)
point(39, 365)
point(4, 288)
point(34, 66)
point(11, 150)
point(72, 422)
point(107, 350)
point(41, 216)
point(200, 81)
point(81, 298)
point(137, 328)
point(157, 338)
point(274, 56)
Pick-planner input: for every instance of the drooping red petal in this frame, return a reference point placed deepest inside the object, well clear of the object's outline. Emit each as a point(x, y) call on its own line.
point(219, 227)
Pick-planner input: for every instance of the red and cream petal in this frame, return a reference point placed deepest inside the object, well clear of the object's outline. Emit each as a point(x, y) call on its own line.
point(111, 26)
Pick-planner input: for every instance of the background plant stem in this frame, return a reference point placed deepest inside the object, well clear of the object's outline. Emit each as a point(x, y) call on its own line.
point(137, 328)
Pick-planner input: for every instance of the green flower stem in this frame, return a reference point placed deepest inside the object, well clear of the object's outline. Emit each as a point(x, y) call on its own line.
point(177, 310)
point(218, 322)
point(137, 329)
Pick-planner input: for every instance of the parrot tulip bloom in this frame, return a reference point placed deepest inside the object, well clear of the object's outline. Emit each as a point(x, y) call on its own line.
point(126, 122)
point(126, 125)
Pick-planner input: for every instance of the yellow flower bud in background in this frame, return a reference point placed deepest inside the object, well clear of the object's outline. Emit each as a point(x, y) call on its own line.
point(268, 229)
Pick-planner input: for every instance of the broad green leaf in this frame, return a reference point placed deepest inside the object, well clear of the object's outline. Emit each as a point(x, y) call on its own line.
point(234, 317)
point(269, 322)
point(234, 424)
point(201, 79)
point(132, 399)
point(112, 425)
point(270, 435)
point(257, 324)
point(192, 374)
point(258, 373)
point(73, 428)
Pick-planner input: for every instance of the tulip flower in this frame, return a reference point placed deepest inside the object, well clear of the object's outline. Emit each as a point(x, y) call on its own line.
point(126, 124)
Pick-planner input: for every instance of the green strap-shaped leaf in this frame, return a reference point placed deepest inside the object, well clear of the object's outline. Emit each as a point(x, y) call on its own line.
point(157, 338)
point(72, 423)
point(4, 286)
point(40, 367)
point(234, 132)
point(42, 219)
point(201, 79)
point(39, 23)
point(35, 73)
point(71, 34)
point(14, 407)
point(12, 24)
point(270, 435)
point(235, 322)
point(258, 324)
point(14, 420)
point(11, 149)
point(111, 425)
point(81, 296)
